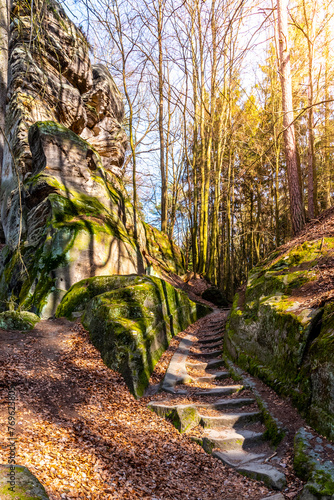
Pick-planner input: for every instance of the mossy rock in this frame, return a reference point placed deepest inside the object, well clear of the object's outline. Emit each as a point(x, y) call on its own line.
point(274, 336)
point(82, 292)
point(18, 320)
point(310, 467)
point(17, 481)
point(131, 320)
point(72, 229)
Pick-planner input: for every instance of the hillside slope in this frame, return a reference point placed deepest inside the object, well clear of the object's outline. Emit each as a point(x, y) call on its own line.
point(281, 326)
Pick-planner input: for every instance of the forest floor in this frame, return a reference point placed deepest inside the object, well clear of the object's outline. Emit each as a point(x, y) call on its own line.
point(83, 435)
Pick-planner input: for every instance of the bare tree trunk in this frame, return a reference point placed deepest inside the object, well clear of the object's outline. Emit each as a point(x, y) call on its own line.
point(163, 171)
point(4, 33)
point(296, 205)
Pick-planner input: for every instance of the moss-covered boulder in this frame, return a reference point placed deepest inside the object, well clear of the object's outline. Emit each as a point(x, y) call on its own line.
point(273, 333)
point(17, 482)
point(18, 320)
point(318, 368)
point(131, 320)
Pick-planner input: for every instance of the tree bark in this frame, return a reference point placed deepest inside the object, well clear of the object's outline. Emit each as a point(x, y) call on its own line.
point(295, 196)
point(164, 206)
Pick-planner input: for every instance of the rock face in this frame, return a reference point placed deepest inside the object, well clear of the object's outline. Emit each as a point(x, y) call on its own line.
point(65, 213)
point(131, 320)
point(273, 333)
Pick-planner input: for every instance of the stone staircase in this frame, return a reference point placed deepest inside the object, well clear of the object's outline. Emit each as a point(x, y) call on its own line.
point(213, 410)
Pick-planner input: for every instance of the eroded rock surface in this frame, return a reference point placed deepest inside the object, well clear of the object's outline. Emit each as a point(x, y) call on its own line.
point(64, 209)
point(26, 485)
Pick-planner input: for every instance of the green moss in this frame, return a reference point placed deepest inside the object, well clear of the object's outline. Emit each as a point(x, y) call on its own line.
point(309, 466)
point(27, 486)
point(18, 320)
point(55, 129)
point(131, 320)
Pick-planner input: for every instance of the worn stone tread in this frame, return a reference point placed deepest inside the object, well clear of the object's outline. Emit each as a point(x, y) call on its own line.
point(220, 391)
point(228, 439)
point(228, 420)
point(222, 404)
point(205, 365)
point(208, 340)
point(212, 376)
point(266, 473)
point(235, 458)
point(212, 345)
point(211, 354)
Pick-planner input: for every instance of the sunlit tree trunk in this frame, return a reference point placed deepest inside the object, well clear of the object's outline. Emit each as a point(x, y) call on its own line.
point(295, 196)
point(327, 179)
point(311, 171)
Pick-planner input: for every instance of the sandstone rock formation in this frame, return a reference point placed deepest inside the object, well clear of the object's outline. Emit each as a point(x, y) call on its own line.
point(65, 213)
point(273, 333)
point(131, 320)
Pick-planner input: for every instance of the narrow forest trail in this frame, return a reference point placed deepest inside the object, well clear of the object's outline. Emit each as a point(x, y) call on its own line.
point(84, 436)
point(203, 400)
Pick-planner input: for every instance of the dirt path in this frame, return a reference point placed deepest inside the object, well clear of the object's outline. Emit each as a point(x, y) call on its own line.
point(84, 436)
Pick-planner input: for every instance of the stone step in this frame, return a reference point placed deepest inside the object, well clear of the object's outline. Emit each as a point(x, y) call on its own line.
point(229, 420)
point(212, 376)
point(224, 390)
point(250, 465)
point(212, 346)
point(224, 404)
point(183, 416)
point(211, 354)
point(206, 365)
point(230, 439)
point(236, 458)
point(264, 472)
point(208, 340)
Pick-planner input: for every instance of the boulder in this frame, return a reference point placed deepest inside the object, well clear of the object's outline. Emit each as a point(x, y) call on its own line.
point(310, 467)
point(131, 320)
point(18, 320)
point(65, 212)
point(25, 485)
point(78, 223)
